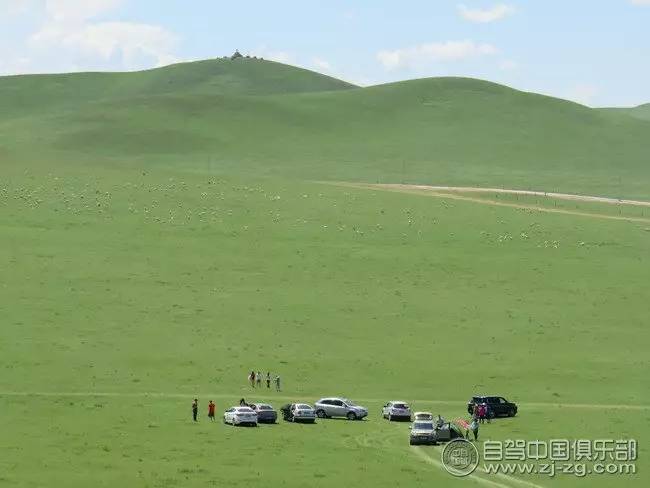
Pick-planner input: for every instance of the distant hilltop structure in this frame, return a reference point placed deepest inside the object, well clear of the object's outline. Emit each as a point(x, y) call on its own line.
point(238, 55)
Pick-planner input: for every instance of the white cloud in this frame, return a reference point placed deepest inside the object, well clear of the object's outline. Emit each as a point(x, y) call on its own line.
point(492, 14)
point(583, 93)
point(279, 56)
point(435, 51)
point(507, 65)
point(322, 65)
point(75, 10)
point(15, 7)
point(78, 40)
point(133, 43)
point(14, 65)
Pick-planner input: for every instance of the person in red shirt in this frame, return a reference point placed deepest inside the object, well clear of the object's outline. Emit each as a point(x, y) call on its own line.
point(211, 407)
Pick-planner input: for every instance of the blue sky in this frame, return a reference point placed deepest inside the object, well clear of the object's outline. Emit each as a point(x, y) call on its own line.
point(592, 51)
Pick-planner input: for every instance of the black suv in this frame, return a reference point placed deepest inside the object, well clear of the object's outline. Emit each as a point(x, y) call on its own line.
point(497, 406)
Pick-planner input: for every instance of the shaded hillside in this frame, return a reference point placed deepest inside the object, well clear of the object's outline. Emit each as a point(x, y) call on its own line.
point(439, 130)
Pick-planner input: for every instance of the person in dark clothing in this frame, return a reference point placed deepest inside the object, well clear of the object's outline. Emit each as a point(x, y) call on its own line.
point(242, 403)
point(268, 380)
point(195, 409)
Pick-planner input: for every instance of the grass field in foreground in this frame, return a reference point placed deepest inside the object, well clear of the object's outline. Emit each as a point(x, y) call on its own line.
point(168, 282)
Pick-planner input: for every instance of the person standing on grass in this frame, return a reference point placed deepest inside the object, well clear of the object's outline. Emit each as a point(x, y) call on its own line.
point(211, 407)
point(268, 380)
point(258, 379)
point(481, 413)
point(195, 409)
point(251, 378)
point(474, 428)
point(277, 383)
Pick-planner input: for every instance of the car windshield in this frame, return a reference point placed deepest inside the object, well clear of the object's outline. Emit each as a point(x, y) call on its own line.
point(245, 409)
point(423, 426)
point(400, 405)
point(423, 416)
point(264, 407)
point(302, 406)
point(349, 402)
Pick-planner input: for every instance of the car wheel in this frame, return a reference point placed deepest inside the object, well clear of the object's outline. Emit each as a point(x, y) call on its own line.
point(320, 414)
point(511, 412)
point(351, 416)
point(411, 443)
point(390, 418)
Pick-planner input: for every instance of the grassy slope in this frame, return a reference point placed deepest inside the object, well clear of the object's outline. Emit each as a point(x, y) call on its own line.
point(641, 112)
point(179, 283)
point(141, 274)
point(446, 130)
point(47, 93)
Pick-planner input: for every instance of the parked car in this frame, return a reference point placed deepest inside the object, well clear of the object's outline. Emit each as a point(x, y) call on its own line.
point(265, 413)
point(240, 416)
point(339, 407)
point(422, 432)
point(497, 406)
point(396, 410)
point(298, 412)
point(422, 416)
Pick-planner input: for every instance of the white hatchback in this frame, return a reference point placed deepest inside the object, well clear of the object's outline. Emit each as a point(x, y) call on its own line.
point(240, 416)
point(397, 410)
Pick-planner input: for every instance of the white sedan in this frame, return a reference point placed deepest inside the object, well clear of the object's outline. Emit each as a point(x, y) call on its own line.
point(423, 416)
point(397, 410)
point(240, 416)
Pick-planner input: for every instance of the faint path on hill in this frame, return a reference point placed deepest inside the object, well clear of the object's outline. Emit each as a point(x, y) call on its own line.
point(435, 191)
point(251, 393)
point(559, 196)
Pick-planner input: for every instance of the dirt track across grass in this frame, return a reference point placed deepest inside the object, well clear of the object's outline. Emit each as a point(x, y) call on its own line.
point(280, 396)
point(439, 192)
point(559, 196)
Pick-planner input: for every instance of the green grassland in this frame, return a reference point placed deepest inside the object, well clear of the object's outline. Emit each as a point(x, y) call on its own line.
point(158, 245)
point(641, 112)
point(442, 131)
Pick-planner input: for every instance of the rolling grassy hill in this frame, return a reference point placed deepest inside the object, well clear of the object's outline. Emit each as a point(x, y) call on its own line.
point(270, 118)
point(43, 93)
point(639, 112)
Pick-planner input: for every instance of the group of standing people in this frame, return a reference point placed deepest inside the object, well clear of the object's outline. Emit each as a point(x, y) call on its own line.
point(256, 380)
point(480, 414)
point(195, 410)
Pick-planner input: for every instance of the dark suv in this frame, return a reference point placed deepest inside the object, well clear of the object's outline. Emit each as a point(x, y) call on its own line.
point(497, 406)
